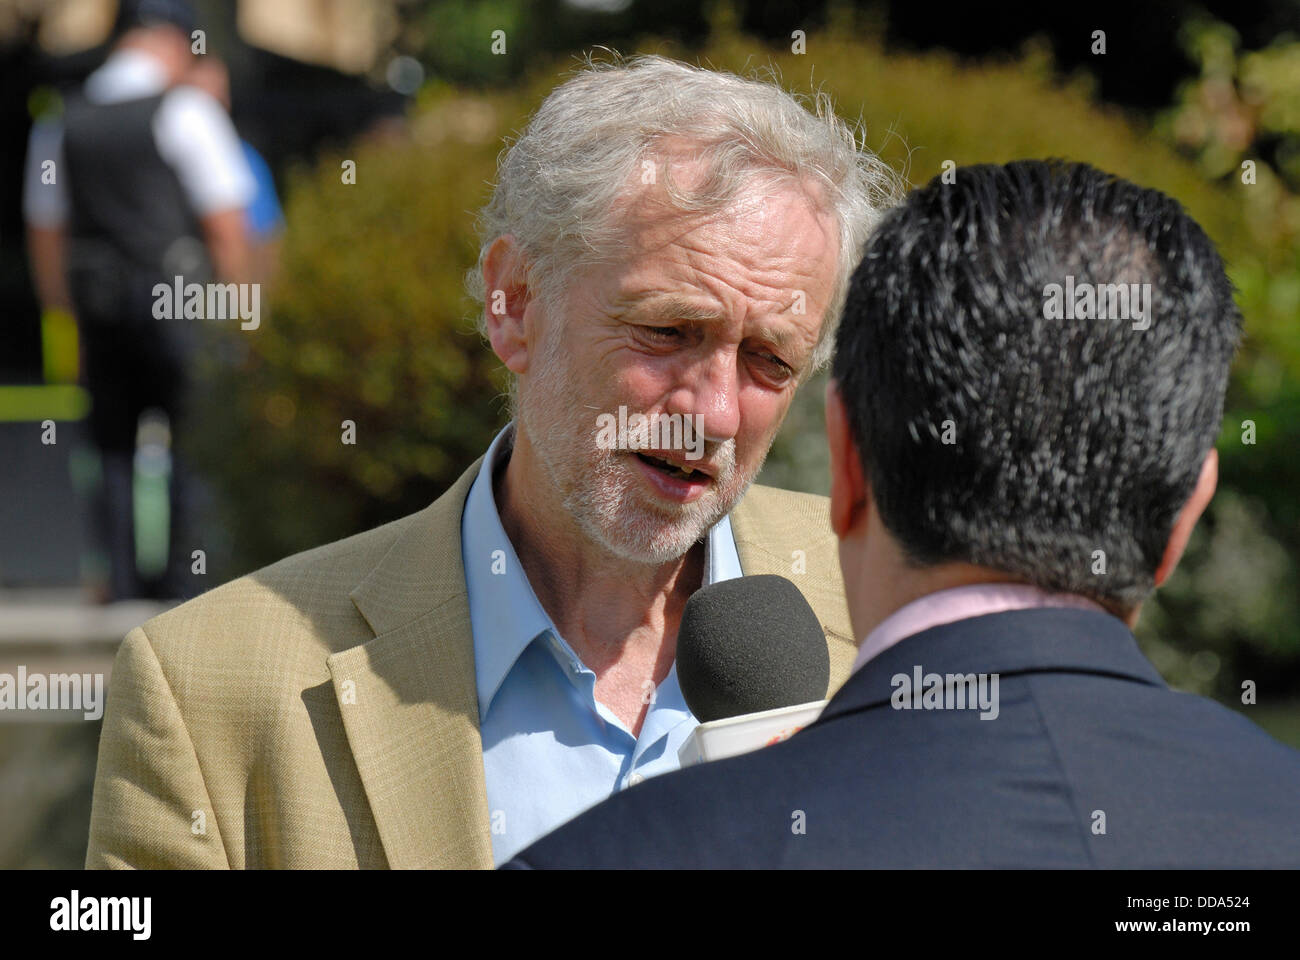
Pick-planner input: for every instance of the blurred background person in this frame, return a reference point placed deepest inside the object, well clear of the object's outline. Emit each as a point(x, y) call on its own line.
point(151, 183)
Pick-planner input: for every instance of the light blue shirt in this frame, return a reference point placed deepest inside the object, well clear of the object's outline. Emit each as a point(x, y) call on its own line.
point(550, 749)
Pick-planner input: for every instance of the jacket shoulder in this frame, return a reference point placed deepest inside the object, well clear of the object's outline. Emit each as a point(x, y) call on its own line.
point(301, 599)
point(779, 522)
point(812, 507)
point(789, 534)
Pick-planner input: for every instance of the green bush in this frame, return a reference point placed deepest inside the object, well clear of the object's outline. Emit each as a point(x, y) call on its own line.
point(368, 323)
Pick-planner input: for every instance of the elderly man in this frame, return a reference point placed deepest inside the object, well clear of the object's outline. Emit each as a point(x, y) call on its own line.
point(443, 690)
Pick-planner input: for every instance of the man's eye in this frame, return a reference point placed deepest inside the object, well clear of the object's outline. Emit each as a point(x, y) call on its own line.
point(774, 369)
point(662, 334)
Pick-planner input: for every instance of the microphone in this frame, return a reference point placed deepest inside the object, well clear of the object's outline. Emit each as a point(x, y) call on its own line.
point(752, 664)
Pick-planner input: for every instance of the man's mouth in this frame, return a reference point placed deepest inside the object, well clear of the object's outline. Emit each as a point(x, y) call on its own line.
point(675, 470)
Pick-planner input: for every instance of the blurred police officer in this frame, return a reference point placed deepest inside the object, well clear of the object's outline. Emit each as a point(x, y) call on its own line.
point(150, 184)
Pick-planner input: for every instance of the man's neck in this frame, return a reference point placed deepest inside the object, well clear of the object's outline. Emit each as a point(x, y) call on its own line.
point(611, 611)
point(888, 594)
point(886, 583)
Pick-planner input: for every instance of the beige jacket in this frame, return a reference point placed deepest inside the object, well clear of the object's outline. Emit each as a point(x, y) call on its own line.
point(321, 712)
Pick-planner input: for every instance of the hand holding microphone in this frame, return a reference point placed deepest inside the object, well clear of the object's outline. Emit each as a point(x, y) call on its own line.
point(752, 663)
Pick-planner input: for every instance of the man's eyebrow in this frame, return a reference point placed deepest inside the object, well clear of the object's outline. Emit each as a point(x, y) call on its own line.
point(670, 307)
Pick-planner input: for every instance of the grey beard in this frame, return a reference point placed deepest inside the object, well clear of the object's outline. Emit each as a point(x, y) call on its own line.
point(593, 496)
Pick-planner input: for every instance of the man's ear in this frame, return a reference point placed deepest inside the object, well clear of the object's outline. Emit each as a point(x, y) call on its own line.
point(1188, 515)
point(505, 301)
point(848, 483)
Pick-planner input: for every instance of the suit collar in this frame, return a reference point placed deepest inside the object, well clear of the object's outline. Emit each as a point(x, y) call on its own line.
point(1039, 640)
point(409, 582)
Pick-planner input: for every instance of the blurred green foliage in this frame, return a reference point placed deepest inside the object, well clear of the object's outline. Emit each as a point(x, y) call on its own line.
point(368, 325)
point(369, 321)
point(457, 38)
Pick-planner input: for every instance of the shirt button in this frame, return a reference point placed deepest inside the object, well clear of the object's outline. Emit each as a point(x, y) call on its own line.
point(634, 779)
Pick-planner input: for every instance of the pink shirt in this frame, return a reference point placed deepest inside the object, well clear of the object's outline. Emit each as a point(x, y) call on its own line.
point(960, 603)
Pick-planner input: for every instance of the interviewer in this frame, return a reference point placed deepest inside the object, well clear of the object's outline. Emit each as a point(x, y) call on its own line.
point(1009, 482)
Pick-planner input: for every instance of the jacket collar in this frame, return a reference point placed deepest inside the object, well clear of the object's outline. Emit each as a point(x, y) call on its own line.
point(790, 536)
point(1039, 640)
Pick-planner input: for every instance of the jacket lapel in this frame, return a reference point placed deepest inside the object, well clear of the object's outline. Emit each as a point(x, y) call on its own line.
point(408, 696)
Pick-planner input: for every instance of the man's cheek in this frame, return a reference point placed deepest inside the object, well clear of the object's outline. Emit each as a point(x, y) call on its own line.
point(764, 423)
point(750, 451)
point(640, 384)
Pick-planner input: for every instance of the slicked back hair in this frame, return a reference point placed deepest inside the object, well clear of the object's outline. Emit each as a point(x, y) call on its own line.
point(996, 432)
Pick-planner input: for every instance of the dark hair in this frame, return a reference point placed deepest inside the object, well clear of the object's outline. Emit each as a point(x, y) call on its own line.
point(997, 432)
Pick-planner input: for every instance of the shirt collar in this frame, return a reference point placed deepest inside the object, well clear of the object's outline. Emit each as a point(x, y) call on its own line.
point(960, 603)
point(505, 614)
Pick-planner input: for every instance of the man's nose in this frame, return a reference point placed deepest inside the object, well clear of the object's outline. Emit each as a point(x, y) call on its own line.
point(710, 389)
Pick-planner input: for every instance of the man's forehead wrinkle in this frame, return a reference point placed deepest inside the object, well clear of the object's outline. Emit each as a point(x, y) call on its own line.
point(764, 275)
point(756, 262)
point(701, 265)
point(654, 227)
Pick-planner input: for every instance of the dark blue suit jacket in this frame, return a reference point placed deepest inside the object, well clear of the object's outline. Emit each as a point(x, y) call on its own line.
point(1085, 728)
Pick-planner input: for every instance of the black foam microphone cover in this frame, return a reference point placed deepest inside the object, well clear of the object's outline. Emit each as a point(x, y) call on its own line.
point(750, 644)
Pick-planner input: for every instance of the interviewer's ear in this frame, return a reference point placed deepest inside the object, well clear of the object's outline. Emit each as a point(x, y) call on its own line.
point(505, 301)
point(1188, 515)
point(848, 483)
